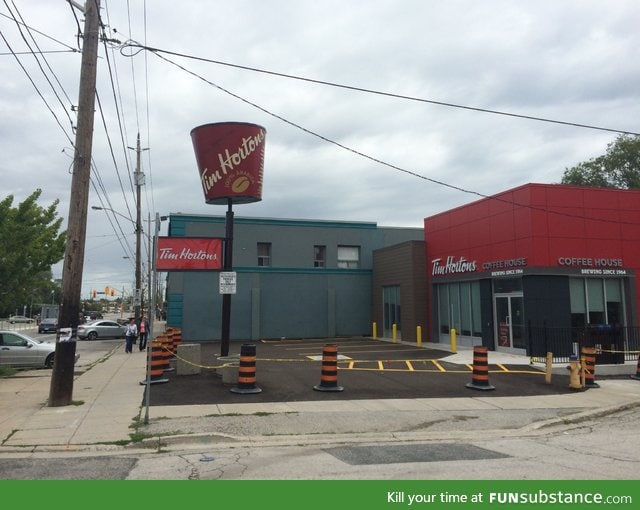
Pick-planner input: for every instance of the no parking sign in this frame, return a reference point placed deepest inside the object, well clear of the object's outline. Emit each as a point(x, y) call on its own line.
point(228, 282)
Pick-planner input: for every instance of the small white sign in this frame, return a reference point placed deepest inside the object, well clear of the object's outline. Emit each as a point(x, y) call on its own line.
point(228, 282)
point(65, 334)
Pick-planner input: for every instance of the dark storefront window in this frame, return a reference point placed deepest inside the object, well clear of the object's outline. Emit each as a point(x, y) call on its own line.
point(596, 301)
point(507, 285)
point(459, 308)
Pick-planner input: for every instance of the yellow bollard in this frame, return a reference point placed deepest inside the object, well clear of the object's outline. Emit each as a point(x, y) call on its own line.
point(394, 333)
point(374, 328)
point(549, 366)
point(454, 346)
point(418, 336)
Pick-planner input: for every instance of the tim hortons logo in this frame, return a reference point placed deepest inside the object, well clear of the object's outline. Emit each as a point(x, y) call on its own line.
point(230, 160)
point(451, 266)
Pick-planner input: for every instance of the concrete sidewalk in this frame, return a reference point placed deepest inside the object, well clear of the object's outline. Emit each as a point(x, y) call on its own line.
point(109, 400)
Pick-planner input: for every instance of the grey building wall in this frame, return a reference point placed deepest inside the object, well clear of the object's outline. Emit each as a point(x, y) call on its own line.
point(290, 298)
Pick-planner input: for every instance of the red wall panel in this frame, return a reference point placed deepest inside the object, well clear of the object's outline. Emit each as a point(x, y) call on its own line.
point(541, 222)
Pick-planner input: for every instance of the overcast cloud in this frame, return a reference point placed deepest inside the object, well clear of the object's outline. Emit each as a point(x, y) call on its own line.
point(574, 61)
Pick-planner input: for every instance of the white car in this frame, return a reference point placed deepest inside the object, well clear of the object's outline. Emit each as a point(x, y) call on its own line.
point(20, 319)
point(18, 350)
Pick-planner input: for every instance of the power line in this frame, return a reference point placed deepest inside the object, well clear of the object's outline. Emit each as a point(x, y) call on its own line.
point(133, 44)
point(69, 48)
point(381, 162)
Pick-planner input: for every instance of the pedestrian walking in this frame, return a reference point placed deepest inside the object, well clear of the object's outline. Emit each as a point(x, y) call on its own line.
point(143, 332)
point(130, 335)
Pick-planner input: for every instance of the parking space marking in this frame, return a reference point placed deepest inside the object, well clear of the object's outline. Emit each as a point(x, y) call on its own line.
point(318, 357)
point(440, 367)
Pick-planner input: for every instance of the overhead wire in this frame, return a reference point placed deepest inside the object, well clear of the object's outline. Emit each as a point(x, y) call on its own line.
point(157, 51)
point(31, 79)
point(37, 55)
point(377, 160)
point(70, 48)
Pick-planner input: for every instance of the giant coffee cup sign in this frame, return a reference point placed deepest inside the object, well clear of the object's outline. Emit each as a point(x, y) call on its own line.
point(230, 157)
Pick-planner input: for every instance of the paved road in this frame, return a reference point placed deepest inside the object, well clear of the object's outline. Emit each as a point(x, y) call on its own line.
point(580, 451)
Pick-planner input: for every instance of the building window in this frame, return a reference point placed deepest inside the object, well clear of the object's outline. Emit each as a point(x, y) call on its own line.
point(391, 310)
point(348, 257)
point(264, 254)
point(459, 308)
point(596, 301)
point(319, 257)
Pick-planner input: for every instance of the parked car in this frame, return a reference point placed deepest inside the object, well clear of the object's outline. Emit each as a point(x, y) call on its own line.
point(48, 325)
point(20, 319)
point(100, 329)
point(18, 350)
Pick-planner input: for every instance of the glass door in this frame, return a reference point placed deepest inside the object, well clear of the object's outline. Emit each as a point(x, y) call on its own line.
point(509, 322)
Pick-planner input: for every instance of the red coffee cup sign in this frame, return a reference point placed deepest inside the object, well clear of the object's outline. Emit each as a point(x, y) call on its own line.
point(230, 157)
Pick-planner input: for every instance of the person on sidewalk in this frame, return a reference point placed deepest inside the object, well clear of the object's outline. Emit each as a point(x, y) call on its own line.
point(130, 335)
point(143, 328)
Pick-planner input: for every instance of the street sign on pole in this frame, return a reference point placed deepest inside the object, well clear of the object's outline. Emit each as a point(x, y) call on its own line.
point(227, 282)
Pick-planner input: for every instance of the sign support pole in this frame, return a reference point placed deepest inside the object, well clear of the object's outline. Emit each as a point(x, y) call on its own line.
point(227, 265)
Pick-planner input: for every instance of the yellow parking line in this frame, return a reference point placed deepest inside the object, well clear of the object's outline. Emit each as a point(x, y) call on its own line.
point(409, 365)
point(438, 365)
point(380, 365)
point(502, 367)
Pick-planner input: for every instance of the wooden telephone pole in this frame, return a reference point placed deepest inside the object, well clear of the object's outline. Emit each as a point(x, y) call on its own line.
point(61, 389)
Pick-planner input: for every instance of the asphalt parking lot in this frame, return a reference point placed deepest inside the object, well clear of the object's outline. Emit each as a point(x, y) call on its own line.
point(287, 371)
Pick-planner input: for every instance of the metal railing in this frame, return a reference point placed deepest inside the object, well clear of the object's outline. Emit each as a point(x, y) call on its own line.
point(613, 344)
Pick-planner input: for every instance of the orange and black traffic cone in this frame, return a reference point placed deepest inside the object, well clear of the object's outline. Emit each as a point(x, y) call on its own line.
point(329, 374)
point(247, 371)
point(156, 365)
point(480, 375)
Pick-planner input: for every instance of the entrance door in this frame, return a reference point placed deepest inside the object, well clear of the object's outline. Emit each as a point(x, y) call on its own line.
point(509, 322)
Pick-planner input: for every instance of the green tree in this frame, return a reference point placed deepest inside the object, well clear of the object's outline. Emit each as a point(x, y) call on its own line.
point(618, 168)
point(30, 243)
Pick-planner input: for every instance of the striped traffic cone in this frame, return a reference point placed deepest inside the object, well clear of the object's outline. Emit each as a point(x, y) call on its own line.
point(155, 366)
point(247, 371)
point(329, 374)
point(480, 375)
point(637, 376)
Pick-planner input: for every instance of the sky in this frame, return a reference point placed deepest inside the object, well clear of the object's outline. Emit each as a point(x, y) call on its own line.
point(332, 152)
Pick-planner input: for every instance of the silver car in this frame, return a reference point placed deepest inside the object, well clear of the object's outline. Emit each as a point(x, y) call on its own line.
point(18, 350)
point(100, 329)
point(20, 319)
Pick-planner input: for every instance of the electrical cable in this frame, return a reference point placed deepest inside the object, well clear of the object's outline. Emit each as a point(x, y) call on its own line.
point(373, 91)
point(377, 160)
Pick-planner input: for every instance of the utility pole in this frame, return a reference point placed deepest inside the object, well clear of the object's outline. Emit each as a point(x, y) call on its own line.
point(61, 389)
point(139, 181)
